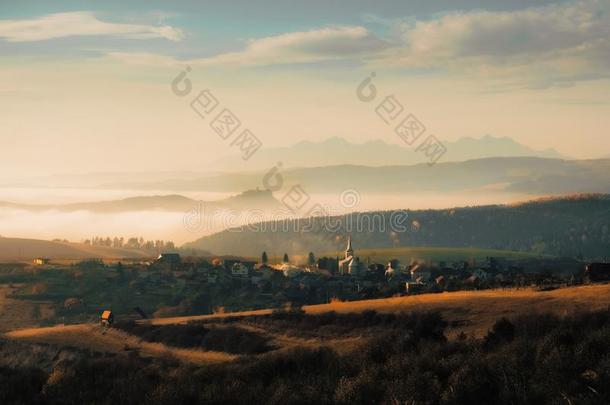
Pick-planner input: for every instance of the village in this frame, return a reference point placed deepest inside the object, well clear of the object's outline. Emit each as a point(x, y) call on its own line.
point(175, 285)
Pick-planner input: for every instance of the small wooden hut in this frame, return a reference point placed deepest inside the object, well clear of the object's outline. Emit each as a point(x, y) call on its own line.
point(106, 318)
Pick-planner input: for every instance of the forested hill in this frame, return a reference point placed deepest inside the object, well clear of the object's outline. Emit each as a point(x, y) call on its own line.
point(576, 226)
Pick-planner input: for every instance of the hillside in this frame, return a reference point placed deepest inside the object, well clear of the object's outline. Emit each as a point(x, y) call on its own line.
point(94, 337)
point(560, 227)
point(492, 347)
point(251, 199)
point(472, 312)
point(29, 249)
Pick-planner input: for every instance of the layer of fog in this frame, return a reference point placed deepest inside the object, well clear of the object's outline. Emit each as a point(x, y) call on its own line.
point(68, 195)
point(182, 227)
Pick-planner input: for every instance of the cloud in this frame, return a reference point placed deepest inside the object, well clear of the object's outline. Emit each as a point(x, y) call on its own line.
point(304, 47)
point(324, 44)
point(147, 59)
point(79, 23)
point(534, 47)
point(563, 42)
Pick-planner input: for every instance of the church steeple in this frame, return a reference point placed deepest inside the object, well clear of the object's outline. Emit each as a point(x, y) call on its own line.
point(349, 251)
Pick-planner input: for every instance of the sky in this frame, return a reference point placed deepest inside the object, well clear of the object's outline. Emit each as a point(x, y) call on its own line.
point(87, 86)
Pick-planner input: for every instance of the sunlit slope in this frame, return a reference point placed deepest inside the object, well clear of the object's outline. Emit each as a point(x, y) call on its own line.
point(472, 312)
point(28, 249)
point(98, 338)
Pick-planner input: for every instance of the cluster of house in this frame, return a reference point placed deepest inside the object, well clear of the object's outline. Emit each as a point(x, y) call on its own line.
point(412, 278)
point(223, 270)
point(347, 277)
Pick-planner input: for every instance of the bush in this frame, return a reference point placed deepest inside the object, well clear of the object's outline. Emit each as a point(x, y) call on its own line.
point(503, 331)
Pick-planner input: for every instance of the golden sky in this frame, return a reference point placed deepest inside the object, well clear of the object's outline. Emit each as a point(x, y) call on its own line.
point(85, 90)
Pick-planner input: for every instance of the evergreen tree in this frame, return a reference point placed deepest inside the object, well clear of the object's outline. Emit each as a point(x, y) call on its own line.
point(264, 258)
point(311, 259)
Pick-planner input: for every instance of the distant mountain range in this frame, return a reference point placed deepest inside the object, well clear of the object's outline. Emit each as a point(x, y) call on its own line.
point(338, 151)
point(334, 151)
point(529, 175)
point(577, 226)
point(252, 199)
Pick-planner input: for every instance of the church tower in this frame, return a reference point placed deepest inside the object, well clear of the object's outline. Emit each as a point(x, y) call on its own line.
point(349, 252)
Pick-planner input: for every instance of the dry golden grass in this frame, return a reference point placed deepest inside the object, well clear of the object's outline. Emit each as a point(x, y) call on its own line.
point(97, 338)
point(474, 311)
point(471, 312)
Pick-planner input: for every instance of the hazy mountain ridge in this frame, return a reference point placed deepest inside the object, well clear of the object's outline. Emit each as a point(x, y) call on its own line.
point(530, 175)
point(251, 199)
point(571, 227)
point(306, 154)
point(339, 151)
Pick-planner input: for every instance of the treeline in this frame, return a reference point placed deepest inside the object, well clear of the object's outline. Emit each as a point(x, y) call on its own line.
point(568, 227)
point(534, 359)
point(132, 243)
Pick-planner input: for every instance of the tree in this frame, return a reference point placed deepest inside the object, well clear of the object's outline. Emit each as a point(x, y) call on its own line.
point(120, 270)
point(503, 331)
point(264, 258)
point(311, 259)
point(286, 260)
point(132, 243)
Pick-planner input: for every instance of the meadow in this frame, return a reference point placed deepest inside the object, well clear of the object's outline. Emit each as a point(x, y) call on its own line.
point(407, 255)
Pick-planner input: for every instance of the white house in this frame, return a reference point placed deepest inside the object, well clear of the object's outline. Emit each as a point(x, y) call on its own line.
point(421, 273)
point(239, 270)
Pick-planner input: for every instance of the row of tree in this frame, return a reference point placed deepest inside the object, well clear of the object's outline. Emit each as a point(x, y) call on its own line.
point(132, 243)
point(311, 258)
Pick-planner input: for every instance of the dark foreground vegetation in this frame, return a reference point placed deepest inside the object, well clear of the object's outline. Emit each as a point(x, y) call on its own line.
point(536, 359)
point(193, 335)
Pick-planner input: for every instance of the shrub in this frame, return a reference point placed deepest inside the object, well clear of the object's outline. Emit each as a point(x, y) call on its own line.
point(503, 331)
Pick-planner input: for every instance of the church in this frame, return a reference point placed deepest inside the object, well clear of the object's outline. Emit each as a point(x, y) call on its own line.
point(351, 265)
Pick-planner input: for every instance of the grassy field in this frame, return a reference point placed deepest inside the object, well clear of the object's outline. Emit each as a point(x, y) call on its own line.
point(434, 254)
